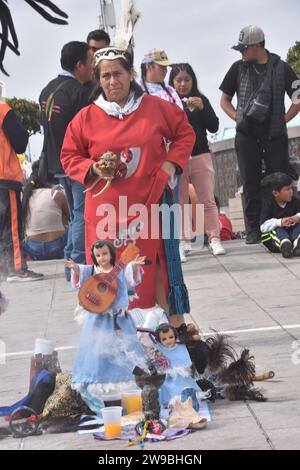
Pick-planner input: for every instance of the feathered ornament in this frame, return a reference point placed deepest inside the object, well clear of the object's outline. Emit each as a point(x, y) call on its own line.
point(123, 48)
point(124, 33)
point(219, 351)
point(240, 371)
point(243, 392)
point(128, 19)
point(228, 374)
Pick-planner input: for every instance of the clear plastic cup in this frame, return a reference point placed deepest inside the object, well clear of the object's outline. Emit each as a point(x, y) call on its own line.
point(133, 400)
point(112, 421)
point(112, 399)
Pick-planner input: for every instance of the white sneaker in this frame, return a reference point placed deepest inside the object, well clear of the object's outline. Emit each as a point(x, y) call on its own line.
point(181, 252)
point(187, 248)
point(216, 247)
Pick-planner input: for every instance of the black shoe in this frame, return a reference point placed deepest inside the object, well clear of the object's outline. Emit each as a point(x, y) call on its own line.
point(24, 275)
point(296, 250)
point(286, 248)
point(253, 237)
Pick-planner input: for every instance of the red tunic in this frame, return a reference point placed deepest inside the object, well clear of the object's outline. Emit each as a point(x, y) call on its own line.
point(93, 132)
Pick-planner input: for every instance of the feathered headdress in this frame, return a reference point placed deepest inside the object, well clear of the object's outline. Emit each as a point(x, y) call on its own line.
point(123, 48)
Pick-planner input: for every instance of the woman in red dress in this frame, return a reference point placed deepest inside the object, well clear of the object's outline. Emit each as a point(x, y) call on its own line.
point(130, 128)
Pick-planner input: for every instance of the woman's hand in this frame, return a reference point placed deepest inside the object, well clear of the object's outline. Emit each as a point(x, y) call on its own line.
point(72, 265)
point(169, 168)
point(196, 102)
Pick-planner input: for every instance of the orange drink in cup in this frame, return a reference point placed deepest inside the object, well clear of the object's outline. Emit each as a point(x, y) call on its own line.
point(133, 401)
point(112, 421)
point(112, 430)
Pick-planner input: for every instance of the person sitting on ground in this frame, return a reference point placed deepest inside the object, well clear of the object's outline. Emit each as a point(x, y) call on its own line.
point(280, 215)
point(225, 223)
point(46, 215)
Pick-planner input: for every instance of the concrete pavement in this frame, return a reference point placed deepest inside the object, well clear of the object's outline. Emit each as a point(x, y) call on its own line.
point(250, 293)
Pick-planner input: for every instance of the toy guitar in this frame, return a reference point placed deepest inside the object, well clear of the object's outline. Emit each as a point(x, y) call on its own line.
point(98, 293)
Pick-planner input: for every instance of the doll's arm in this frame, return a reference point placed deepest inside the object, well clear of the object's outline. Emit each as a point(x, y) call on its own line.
point(134, 271)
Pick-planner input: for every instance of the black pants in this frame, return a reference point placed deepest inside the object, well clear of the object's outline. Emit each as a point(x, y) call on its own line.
point(251, 152)
point(273, 239)
point(11, 256)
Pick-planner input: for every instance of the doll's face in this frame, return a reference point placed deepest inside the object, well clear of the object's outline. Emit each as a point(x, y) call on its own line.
point(103, 257)
point(167, 339)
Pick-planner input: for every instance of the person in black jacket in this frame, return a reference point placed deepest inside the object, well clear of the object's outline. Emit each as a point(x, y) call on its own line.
point(199, 171)
point(69, 96)
point(280, 215)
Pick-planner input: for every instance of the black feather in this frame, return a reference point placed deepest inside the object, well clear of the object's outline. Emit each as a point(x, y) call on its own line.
point(241, 371)
point(244, 392)
point(44, 13)
point(205, 385)
point(219, 351)
point(7, 25)
point(52, 7)
point(10, 45)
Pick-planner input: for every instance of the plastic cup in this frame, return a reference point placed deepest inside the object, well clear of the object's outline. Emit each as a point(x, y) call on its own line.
point(43, 346)
point(112, 399)
point(112, 421)
point(133, 401)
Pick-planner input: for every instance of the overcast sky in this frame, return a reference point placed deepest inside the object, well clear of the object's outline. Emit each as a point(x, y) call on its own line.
point(195, 31)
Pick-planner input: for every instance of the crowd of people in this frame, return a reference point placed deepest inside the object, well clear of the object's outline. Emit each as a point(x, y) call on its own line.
point(109, 134)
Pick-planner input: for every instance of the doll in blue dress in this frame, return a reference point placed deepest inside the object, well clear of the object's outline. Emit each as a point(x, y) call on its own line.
point(173, 359)
point(108, 348)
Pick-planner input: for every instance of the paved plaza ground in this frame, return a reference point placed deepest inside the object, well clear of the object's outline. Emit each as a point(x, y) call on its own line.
point(249, 293)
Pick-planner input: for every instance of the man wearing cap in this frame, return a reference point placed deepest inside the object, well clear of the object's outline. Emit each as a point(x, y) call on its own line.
point(153, 72)
point(260, 81)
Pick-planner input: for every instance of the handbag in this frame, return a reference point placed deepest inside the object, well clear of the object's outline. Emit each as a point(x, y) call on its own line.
point(258, 109)
point(259, 104)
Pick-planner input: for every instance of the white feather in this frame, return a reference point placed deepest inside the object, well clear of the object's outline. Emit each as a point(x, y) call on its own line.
point(128, 19)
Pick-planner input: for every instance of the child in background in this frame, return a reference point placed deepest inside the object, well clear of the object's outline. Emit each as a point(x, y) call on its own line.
point(108, 348)
point(280, 215)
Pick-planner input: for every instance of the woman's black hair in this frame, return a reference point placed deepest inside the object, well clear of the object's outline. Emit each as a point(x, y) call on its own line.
point(34, 182)
point(162, 84)
point(185, 67)
point(97, 90)
point(164, 328)
point(101, 244)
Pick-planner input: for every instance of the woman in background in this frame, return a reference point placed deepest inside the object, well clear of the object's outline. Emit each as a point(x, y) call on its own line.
point(199, 171)
point(46, 215)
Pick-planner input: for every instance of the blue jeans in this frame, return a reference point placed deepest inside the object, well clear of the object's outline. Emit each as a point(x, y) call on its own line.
point(273, 239)
point(75, 247)
point(53, 249)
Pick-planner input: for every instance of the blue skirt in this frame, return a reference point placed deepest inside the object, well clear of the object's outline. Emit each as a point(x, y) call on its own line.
point(104, 354)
